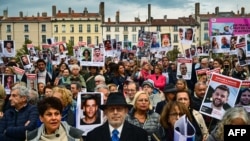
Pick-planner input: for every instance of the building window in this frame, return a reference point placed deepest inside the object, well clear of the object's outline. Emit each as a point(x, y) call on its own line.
point(125, 37)
point(88, 40)
point(63, 38)
point(108, 37)
point(72, 39)
point(96, 27)
point(134, 29)
point(88, 28)
point(117, 37)
point(142, 28)
point(206, 37)
point(96, 40)
point(44, 39)
point(8, 28)
point(9, 37)
point(205, 26)
point(108, 28)
point(71, 28)
point(80, 28)
point(134, 39)
point(80, 39)
point(63, 28)
point(43, 27)
point(175, 38)
point(56, 28)
point(116, 29)
point(56, 39)
point(158, 28)
point(125, 28)
point(175, 28)
point(26, 37)
point(26, 28)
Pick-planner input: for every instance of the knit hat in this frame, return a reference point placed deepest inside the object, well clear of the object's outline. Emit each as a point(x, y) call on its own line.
point(149, 82)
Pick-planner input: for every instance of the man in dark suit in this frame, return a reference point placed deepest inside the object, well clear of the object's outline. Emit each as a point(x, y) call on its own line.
point(116, 128)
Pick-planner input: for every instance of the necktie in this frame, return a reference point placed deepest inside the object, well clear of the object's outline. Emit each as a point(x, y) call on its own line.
point(115, 135)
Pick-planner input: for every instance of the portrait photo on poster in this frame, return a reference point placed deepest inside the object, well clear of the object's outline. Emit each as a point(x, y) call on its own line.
point(9, 48)
point(221, 95)
point(89, 114)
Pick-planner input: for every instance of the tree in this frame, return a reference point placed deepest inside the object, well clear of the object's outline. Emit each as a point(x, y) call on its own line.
point(70, 48)
point(173, 54)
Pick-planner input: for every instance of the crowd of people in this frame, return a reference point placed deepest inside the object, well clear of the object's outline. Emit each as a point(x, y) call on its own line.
point(142, 101)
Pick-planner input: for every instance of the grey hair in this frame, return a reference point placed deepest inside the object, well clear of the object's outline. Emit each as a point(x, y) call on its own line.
point(33, 96)
point(231, 114)
point(75, 66)
point(23, 91)
point(104, 86)
point(100, 77)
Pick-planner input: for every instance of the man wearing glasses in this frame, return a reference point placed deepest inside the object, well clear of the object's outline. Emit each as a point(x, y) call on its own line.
point(132, 89)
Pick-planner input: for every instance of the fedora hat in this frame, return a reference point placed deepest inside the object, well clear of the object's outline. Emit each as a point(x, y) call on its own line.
point(116, 99)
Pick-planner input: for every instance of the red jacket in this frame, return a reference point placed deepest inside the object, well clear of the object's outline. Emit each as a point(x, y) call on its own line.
point(159, 82)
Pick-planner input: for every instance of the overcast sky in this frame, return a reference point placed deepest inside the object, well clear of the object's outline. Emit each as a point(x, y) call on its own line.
point(128, 8)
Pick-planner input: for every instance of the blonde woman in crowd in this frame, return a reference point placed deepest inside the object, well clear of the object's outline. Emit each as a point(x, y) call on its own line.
point(142, 114)
point(69, 105)
point(2, 100)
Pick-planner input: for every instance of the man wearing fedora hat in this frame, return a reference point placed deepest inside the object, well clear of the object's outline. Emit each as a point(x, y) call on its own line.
point(116, 128)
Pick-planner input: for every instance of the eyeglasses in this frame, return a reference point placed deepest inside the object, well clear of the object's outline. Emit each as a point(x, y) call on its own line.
point(97, 81)
point(176, 114)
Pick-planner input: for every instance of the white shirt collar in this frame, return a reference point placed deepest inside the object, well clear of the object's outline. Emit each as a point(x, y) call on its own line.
point(111, 128)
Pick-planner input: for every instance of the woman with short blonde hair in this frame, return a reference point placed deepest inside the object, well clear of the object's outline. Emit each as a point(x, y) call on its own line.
point(143, 115)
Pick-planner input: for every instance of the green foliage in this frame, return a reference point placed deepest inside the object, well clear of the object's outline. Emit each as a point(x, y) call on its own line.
point(70, 47)
point(173, 54)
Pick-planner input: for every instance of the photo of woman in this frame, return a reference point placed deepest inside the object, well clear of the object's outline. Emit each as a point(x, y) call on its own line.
point(86, 55)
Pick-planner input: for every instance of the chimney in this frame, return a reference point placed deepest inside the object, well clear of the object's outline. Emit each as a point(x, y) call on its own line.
point(44, 14)
point(238, 12)
point(165, 18)
point(149, 13)
point(117, 17)
point(53, 11)
point(85, 12)
point(59, 11)
point(69, 11)
point(197, 10)
point(217, 10)
point(73, 12)
point(21, 14)
point(101, 11)
point(5, 13)
point(242, 11)
point(109, 20)
point(38, 14)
